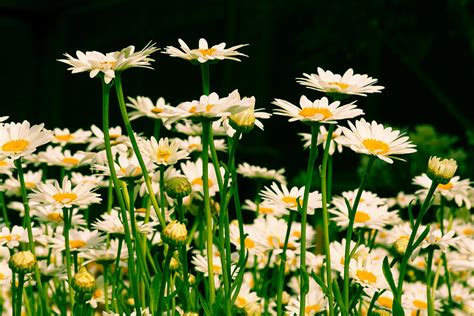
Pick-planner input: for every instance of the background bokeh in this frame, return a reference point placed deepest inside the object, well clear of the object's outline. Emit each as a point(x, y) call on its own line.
point(421, 51)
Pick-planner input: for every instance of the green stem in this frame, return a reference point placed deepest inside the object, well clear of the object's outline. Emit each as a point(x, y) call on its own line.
point(156, 129)
point(166, 272)
point(4, 210)
point(429, 294)
point(206, 126)
point(325, 201)
point(162, 190)
point(281, 268)
point(352, 213)
point(29, 228)
point(116, 272)
point(19, 295)
point(68, 254)
point(136, 149)
point(113, 175)
point(313, 154)
point(106, 286)
point(205, 78)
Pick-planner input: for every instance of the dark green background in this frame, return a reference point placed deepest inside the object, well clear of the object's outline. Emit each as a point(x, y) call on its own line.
point(421, 51)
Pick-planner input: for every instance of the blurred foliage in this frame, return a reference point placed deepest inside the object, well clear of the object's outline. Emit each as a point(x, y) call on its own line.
point(389, 179)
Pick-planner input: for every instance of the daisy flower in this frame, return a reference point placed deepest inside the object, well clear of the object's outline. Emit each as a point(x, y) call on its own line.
point(105, 254)
point(111, 223)
point(273, 231)
point(366, 197)
point(65, 196)
point(193, 129)
point(367, 273)
point(125, 167)
point(326, 81)
point(107, 64)
point(93, 179)
point(322, 137)
point(6, 165)
point(245, 120)
point(5, 274)
point(455, 190)
point(442, 241)
point(79, 240)
point(194, 143)
point(19, 139)
point(164, 152)
point(414, 298)
point(319, 110)
point(316, 301)
point(54, 156)
point(337, 253)
point(204, 53)
point(193, 171)
point(97, 140)
point(256, 172)
point(145, 107)
point(246, 297)
point(254, 243)
point(12, 186)
point(53, 216)
point(402, 199)
point(265, 208)
point(64, 136)
point(288, 198)
point(12, 238)
point(374, 139)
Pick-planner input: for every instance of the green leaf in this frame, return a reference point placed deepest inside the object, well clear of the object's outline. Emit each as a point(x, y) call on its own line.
point(388, 275)
point(155, 290)
point(320, 282)
point(338, 297)
point(304, 279)
point(421, 238)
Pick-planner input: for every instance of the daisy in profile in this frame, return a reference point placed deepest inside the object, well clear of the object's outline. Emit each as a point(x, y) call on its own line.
point(256, 172)
point(254, 242)
point(79, 240)
point(107, 64)
point(265, 208)
point(5, 274)
point(93, 179)
point(64, 195)
point(368, 273)
point(193, 171)
point(143, 106)
point(32, 178)
point(204, 53)
point(54, 156)
point(280, 195)
point(194, 143)
point(322, 137)
point(163, 152)
point(374, 139)
point(320, 110)
point(64, 136)
point(21, 139)
point(97, 140)
point(316, 301)
point(12, 238)
point(189, 128)
point(246, 297)
point(50, 215)
point(456, 190)
point(326, 81)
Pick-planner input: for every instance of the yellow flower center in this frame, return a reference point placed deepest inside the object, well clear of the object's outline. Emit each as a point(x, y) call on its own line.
point(468, 231)
point(30, 185)
point(265, 210)
point(290, 200)
point(446, 186)
point(194, 146)
point(310, 112)
point(420, 304)
point(70, 161)
point(312, 309)
point(249, 243)
point(10, 237)
point(156, 110)
point(140, 210)
point(163, 154)
point(2, 276)
point(376, 146)
point(15, 146)
point(207, 52)
point(3, 163)
point(366, 276)
point(114, 136)
point(240, 302)
point(55, 217)
point(217, 269)
point(274, 241)
point(341, 85)
point(296, 234)
point(98, 293)
point(64, 138)
point(77, 243)
point(64, 197)
point(458, 298)
point(385, 302)
point(198, 181)
point(361, 217)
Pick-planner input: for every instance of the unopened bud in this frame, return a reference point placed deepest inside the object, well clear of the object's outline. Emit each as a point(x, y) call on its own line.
point(441, 170)
point(244, 120)
point(175, 233)
point(83, 281)
point(178, 187)
point(23, 262)
point(401, 244)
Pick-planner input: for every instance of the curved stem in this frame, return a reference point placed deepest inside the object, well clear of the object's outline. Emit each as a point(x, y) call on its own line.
point(313, 154)
point(113, 175)
point(136, 149)
point(4, 210)
point(352, 213)
point(325, 200)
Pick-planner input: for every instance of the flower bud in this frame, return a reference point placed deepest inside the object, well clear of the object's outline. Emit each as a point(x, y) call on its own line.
point(253, 309)
point(174, 264)
point(175, 233)
point(83, 281)
point(285, 298)
point(178, 187)
point(244, 120)
point(23, 262)
point(191, 279)
point(381, 312)
point(400, 245)
point(441, 170)
point(190, 314)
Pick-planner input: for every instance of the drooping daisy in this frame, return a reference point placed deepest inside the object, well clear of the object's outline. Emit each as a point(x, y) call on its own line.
point(54, 156)
point(257, 172)
point(145, 107)
point(97, 140)
point(368, 273)
point(193, 171)
point(164, 152)
point(320, 110)
point(19, 139)
point(12, 186)
point(95, 62)
point(64, 136)
point(205, 53)
point(374, 139)
point(322, 137)
point(65, 196)
point(455, 189)
point(194, 143)
point(288, 198)
point(326, 81)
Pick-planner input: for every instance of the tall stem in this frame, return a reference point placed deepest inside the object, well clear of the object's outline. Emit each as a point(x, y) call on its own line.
point(206, 126)
point(68, 254)
point(136, 149)
point(325, 200)
point(281, 268)
point(352, 212)
point(4, 210)
point(205, 78)
point(166, 272)
point(113, 175)
point(313, 154)
point(429, 294)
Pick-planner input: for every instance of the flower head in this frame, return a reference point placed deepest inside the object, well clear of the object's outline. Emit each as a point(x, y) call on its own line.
point(145, 107)
point(204, 53)
point(441, 170)
point(19, 139)
point(164, 152)
point(326, 81)
point(374, 139)
point(96, 62)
